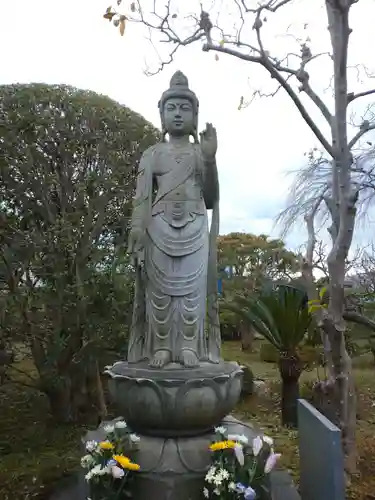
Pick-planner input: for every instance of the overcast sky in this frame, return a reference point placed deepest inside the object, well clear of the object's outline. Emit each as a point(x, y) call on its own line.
point(68, 41)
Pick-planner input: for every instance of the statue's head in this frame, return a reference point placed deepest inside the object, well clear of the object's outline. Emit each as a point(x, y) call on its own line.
point(178, 108)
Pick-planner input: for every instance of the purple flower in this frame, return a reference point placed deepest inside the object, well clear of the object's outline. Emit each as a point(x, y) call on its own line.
point(240, 488)
point(117, 472)
point(271, 462)
point(238, 451)
point(257, 445)
point(249, 493)
point(111, 463)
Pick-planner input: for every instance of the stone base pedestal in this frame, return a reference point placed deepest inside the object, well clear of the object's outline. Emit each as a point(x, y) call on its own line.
point(174, 411)
point(174, 468)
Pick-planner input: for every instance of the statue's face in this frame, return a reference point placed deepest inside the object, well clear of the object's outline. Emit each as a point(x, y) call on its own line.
point(178, 116)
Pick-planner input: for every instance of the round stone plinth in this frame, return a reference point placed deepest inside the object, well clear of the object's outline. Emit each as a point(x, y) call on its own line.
point(175, 401)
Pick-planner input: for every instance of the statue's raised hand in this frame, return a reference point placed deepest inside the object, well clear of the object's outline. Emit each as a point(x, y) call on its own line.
point(208, 140)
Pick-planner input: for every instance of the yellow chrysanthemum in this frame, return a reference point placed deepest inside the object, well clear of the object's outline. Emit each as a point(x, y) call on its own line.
point(106, 445)
point(131, 466)
point(222, 445)
point(121, 460)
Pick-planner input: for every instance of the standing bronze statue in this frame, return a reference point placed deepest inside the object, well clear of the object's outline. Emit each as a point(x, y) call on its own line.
point(175, 317)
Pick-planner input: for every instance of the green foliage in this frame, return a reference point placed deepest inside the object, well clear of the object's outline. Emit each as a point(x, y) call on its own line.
point(279, 315)
point(67, 177)
point(268, 353)
point(253, 261)
point(310, 355)
point(313, 337)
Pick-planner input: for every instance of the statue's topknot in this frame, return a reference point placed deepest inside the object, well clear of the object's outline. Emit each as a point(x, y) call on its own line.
point(179, 80)
point(179, 87)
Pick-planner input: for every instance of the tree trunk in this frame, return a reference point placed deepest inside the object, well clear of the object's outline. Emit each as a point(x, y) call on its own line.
point(290, 368)
point(69, 396)
point(58, 392)
point(342, 209)
point(80, 397)
point(247, 337)
point(103, 411)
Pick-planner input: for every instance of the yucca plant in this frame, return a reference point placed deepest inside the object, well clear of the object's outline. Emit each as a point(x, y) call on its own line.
point(280, 315)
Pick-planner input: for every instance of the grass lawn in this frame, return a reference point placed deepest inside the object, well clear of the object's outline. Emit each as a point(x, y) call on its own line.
point(34, 453)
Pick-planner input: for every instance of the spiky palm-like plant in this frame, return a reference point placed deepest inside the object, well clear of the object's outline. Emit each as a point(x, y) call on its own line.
point(280, 315)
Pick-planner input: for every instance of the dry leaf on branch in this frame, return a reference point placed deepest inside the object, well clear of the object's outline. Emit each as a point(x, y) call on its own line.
point(122, 26)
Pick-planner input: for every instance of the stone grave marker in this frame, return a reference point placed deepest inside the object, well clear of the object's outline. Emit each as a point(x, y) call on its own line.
point(321, 457)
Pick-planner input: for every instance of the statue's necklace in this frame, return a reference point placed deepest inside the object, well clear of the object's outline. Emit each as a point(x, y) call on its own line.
point(180, 152)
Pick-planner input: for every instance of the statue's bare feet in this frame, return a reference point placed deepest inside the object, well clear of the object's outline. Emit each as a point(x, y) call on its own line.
point(160, 359)
point(188, 358)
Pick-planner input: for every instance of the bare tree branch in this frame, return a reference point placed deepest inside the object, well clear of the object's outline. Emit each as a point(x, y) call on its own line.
point(234, 46)
point(275, 73)
point(365, 127)
point(352, 96)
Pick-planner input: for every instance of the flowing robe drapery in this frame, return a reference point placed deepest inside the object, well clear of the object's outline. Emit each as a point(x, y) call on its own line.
point(176, 275)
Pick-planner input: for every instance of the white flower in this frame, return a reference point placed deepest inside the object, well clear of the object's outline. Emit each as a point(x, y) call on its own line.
point(257, 445)
point(117, 472)
point(220, 429)
point(109, 428)
point(268, 440)
point(98, 470)
point(238, 451)
point(134, 438)
point(88, 476)
point(217, 480)
point(206, 492)
point(240, 438)
point(223, 473)
point(231, 486)
point(91, 446)
point(271, 462)
point(87, 461)
point(217, 491)
point(210, 475)
point(121, 424)
point(104, 470)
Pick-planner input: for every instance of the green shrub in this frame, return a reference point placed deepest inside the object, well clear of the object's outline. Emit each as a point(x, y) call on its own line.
point(364, 361)
point(268, 353)
point(311, 355)
point(306, 390)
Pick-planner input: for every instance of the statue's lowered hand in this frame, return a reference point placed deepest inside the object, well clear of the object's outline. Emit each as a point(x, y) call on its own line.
point(208, 140)
point(135, 245)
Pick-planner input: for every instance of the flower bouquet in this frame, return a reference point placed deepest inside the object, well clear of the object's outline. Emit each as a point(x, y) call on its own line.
point(239, 469)
point(108, 463)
